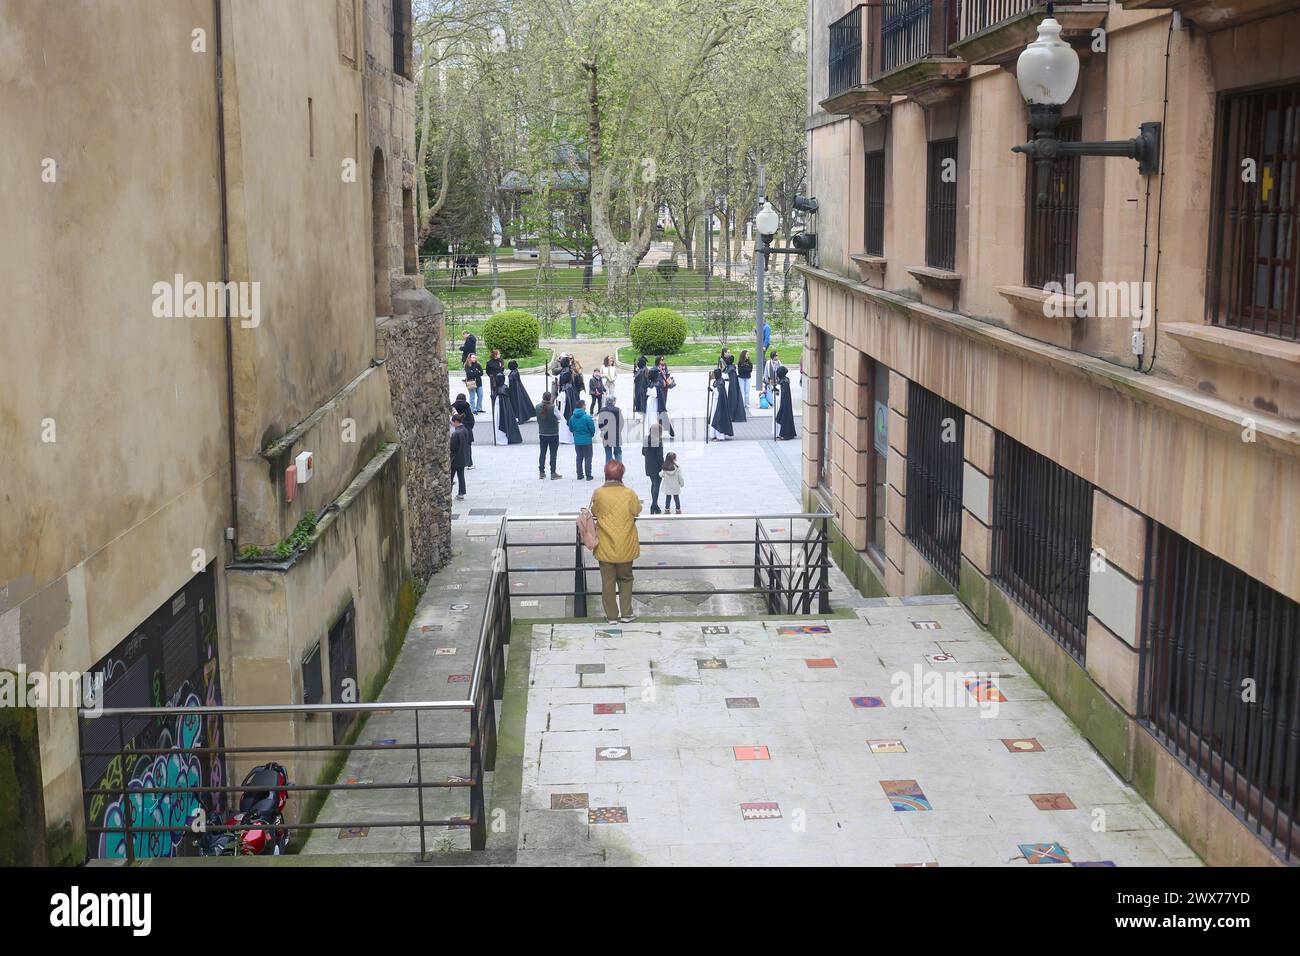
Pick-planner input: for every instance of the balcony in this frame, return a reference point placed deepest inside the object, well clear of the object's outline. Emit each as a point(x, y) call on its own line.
point(914, 60)
point(1212, 15)
point(848, 92)
point(994, 32)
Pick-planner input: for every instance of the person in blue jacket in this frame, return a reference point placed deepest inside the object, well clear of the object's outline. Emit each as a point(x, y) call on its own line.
point(583, 427)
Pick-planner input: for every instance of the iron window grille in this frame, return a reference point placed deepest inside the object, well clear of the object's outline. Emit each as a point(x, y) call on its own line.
point(1255, 266)
point(1220, 682)
point(1042, 540)
point(935, 452)
point(875, 194)
point(845, 53)
point(912, 30)
point(1052, 228)
point(941, 205)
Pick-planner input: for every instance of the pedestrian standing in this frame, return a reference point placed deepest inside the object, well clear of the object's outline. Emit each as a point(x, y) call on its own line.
point(610, 424)
point(609, 372)
point(769, 375)
point(615, 507)
point(548, 434)
point(459, 454)
point(653, 451)
point(461, 408)
point(474, 383)
point(673, 483)
point(745, 369)
point(583, 427)
point(467, 347)
point(495, 365)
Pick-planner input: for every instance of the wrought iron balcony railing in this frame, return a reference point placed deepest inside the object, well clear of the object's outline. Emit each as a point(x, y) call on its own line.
point(912, 30)
point(847, 51)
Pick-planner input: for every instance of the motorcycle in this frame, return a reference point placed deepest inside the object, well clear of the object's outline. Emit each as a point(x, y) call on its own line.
point(261, 806)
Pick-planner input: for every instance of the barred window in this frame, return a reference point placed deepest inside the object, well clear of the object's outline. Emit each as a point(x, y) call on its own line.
point(935, 452)
point(1042, 540)
point(1052, 227)
point(875, 218)
point(1220, 684)
point(941, 205)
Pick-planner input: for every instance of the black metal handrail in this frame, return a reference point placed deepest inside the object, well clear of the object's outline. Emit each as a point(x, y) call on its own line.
point(912, 30)
point(980, 15)
point(846, 51)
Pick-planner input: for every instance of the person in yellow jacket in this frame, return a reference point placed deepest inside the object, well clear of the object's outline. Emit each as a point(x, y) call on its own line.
point(615, 507)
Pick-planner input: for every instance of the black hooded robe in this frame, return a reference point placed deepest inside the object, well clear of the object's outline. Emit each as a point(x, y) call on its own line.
point(505, 423)
point(525, 411)
point(735, 403)
point(783, 416)
point(639, 390)
point(720, 423)
point(467, 419)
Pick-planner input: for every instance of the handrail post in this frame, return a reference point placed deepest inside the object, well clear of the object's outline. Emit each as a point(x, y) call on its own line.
point(126, 802)
point(758, 580)
point(579, 579)
point(824, 559)
point(478, 819)
point(419, 779)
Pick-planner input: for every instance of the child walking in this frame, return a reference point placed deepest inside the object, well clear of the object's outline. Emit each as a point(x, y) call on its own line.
point(673, 483)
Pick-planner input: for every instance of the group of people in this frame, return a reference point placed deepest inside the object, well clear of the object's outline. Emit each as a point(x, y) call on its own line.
point(511, 404)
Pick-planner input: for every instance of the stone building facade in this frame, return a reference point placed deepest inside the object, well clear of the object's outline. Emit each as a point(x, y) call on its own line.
point(198, 178)
point(1081, 413)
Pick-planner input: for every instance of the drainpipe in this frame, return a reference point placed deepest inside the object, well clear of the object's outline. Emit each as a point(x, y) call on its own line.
point(225, 279)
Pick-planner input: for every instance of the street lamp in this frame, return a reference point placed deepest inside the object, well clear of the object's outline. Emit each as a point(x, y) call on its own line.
point(766, 224)
point(1047, 73)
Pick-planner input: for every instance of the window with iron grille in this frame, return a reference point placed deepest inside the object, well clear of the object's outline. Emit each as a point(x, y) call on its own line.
point(941, 205)
point(935, 432)
point(1255, 266)
point(1220, 682)
point(343, 670)
point(1042, 540)
point(313, 684)
point(1052, 227)
point(845, 59)
point(875, 238)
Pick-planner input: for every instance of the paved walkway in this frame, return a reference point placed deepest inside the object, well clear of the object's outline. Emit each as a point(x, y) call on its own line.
point(751, 743)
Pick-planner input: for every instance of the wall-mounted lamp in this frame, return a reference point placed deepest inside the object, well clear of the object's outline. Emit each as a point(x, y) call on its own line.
point(1047, 72)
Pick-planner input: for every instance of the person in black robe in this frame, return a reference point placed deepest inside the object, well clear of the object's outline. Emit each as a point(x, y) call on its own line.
point(468, 347)
point(459, 450)
point(735, 404)
point(525, 411)
point(639, 387)
point(505, 423)
point(495, 365)
point(461, 407)
point(783, 416)
point(720, 422)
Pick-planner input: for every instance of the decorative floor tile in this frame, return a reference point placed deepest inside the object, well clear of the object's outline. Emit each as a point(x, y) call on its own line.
point(459, 607)
point(741, 703)
point(458, 679)
point(597, 815)
point(984, 690)
point(1035, 853)
point(905, 795)
point(711, 664)
point(715, 629)
point(760, 811)
point(568, 801)
point(1093, 863)
point(609, 632)
point(353, 833)
point(608, 709)
point(445, 651)
point(941, 658)
point(590, 668)
point(798, 630)
point(886, 746)
point(815, 662)
point(752, 753)
point(431, 627)
point(1022, 745)
point(927, 625)
point(867, 702)
point(1052, 801)
point(613, 753)
point(452, 587)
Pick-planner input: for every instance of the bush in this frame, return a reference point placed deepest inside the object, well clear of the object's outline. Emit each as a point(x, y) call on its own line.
point(658, 331)
point(514, 332)
point(667, 268)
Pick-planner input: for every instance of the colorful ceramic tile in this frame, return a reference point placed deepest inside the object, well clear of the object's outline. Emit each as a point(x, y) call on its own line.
point(798, 630)
point(452, 587)
point(742, 703)
point(927, 625)
point(711, 664)
point(815, 662)
point(1052, 801)
point(590, 668)
point(905, 795)
point(1022, 745)
point(568, 801)
point(984, 690)
point(597, 815)
point(613, 753)
point(1093, 863)
point(1036, 853)
point(941, 658)
point(609, 632)
point(445, 651)
point(431, 627)
point(760, 811)
point(458, 679)
point(752, 753)
point(353, 833)
point(886, 746)
point(867, 702)
point(715, 629)
point(608, 709)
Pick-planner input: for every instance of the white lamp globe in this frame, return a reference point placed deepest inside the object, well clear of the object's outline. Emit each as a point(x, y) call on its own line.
point(768, 220)
point(1048, 68)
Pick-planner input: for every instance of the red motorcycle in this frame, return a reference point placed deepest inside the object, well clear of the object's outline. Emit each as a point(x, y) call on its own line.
point(261, 807)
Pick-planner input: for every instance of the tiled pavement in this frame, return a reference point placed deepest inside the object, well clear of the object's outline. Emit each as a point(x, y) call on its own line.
point(681, 744)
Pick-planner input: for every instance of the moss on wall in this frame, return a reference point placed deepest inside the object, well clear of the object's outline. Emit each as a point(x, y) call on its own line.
point(22, 809)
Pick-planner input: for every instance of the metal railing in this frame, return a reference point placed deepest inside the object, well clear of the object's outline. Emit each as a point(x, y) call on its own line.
point(935, 439)
point(147, 813)
point(912, 30)
point(980, 15)
point(846, 51)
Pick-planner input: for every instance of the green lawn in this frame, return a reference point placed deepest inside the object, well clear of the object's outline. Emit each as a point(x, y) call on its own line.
point(705, 354)
point(539, 358)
